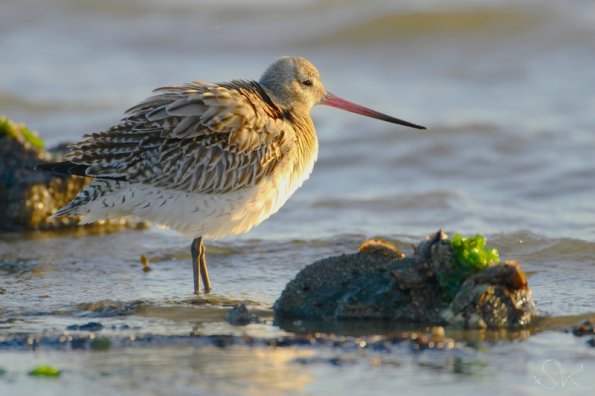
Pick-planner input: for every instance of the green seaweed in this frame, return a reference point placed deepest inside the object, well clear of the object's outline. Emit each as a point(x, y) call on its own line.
point(44, 370)
point(20, 131)
point(100, 344)
point(469, 257)
point(471, 252)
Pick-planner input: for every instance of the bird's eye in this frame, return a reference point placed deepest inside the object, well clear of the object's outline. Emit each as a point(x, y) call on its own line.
point(307, 82)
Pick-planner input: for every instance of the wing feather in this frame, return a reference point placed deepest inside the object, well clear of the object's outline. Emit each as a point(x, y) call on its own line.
point(198, 137)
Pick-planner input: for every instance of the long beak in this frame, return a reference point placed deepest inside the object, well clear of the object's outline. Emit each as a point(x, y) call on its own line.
point(340, 103)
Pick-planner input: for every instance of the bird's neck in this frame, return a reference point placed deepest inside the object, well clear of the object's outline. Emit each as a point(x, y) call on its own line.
point(306, 140)
point(298, 116)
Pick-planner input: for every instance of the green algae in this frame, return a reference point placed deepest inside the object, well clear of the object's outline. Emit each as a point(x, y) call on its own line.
point(100, 344)
point(19, 131)
point(44, 370)
point(470, 256)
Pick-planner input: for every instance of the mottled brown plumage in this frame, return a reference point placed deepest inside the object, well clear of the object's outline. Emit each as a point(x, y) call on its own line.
point(207, 159)
point(197, 138)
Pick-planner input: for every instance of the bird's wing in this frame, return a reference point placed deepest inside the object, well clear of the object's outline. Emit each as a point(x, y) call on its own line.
point(196, 137)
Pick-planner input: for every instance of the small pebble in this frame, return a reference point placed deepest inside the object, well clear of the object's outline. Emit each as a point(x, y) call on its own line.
point(437, 331)
point(240, 316)
point(145, 262)
point(584, 328)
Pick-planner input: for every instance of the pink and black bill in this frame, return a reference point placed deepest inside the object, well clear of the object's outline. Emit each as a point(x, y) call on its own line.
point(340, 103)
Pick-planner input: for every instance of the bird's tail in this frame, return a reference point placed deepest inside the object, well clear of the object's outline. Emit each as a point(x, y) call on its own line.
point(83, 204)
point(66, 168)
point(63, 168)
point(69, 209)
point(73, 207)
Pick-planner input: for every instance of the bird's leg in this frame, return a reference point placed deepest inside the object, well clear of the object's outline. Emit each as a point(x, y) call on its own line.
point(204, 274)
point(194, 250)
point(199, 265)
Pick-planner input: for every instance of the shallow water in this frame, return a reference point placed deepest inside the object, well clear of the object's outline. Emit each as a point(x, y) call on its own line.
point(506, 90)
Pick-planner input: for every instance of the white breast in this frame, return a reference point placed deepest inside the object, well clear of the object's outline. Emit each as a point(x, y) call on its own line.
point(208, 215)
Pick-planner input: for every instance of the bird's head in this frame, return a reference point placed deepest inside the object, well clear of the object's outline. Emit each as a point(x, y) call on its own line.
point(294, 84)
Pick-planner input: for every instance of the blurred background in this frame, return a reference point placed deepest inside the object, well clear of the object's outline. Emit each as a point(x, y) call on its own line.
point(506, 88)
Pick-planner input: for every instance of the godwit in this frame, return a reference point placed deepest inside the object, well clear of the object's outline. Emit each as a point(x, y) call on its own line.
point(208, 160)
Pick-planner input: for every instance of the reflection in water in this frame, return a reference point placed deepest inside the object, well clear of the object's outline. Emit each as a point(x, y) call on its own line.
point(249, 371)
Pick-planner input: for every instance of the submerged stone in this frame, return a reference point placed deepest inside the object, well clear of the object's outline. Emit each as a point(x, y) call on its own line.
point(91, 326)
point(108, 308)
point(377, 284)
point(239, 315)
point(584, 328)
point(100, 344)
point(393, 342)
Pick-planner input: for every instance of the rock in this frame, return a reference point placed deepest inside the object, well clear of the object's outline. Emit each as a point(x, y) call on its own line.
point(377, 283)
point(381, 247)
point(107, 308)
point(497, 297)
point(91, 326)
point(240, 316)
point(393, 344)
point(360, 286)
point(337, 361)
point(29, 197)
point(585, 328)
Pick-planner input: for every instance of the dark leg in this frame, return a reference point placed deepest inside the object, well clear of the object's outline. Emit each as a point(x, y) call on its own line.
point(194, 247)
point(199, 266)
point(204, 274)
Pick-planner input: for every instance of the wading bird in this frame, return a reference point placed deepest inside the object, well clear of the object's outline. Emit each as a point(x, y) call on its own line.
point(208, 160)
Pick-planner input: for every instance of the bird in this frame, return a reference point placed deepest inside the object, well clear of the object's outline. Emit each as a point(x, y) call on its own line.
point(208, 160)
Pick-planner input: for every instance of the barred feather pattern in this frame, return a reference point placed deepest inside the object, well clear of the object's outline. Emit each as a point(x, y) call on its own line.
point(205, 159)
point(197, 137)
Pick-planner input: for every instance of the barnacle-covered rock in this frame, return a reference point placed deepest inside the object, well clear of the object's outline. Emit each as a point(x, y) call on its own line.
point(29, 197)
point(496, 297)
point(433, 287)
